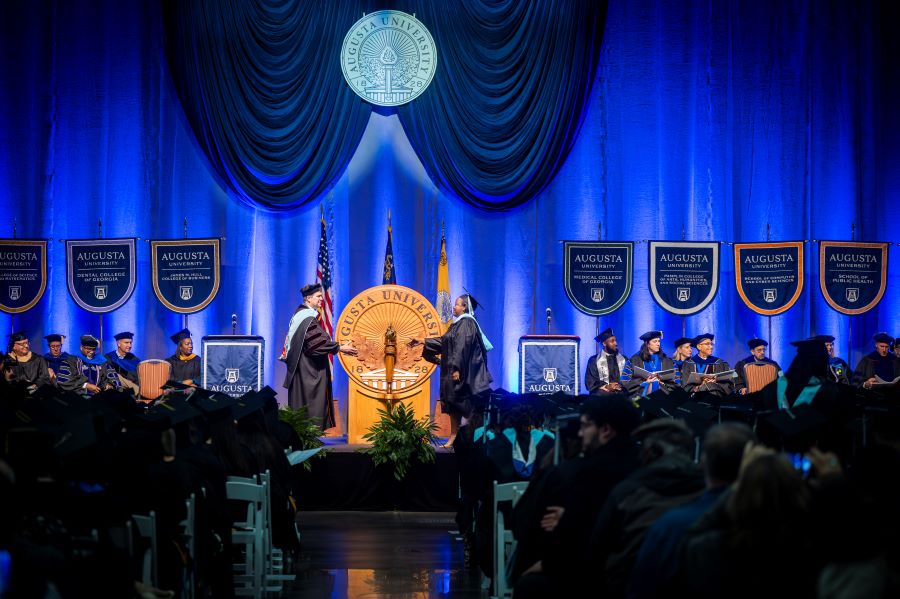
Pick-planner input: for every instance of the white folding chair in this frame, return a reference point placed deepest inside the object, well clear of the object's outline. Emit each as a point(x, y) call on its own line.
point(249, 533)
point(504, 543)
point(274, 575)
point(189, 525)
point(146, 529)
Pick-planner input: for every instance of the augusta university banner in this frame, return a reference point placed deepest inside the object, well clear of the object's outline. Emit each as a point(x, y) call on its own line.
point(185, 273)
point(549, 364)
point(233, 364)
point(100, 273)
point(598, 275)
point(23, 273)
point(684, 275)
point(769, 276)
point(852, 275)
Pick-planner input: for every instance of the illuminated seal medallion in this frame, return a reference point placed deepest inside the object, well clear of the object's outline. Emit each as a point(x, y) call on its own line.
point(364, 322)
point(388, 58)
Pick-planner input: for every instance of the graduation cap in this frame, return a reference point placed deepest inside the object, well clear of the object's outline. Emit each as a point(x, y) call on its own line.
point(215, 406)
point(124, 335)
point(89, 341)
point(698, 417)
point(54, 338)
point(675, 431)
point(17, 336)
point(180, 336)
point(308, 290)
point(471, 303)
point(247, 405)
point(269, 397)
point(151, 420)
point(754, 343)
point(682, 340)
point(883, 338)
point(604, 335)
point(178, 410)
point(797, 427)
point(824, 338)
point(650, 335)
point(701, 337)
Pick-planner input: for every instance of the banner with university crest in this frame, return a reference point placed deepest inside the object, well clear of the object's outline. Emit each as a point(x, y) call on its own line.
point(769, 276)
point(23, 273)
point(100, 273)
point(852, 274)
point(185, 273)
point(598, 275)
point(684, 275)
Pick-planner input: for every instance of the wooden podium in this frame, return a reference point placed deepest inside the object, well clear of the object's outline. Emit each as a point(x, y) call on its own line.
point(364, 403)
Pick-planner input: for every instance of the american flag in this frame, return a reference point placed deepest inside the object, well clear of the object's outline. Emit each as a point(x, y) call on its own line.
point(323, 276)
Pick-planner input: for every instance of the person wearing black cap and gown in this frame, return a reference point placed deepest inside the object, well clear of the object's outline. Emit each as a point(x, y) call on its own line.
point(31, 369)
point(306, 350)
point(462, 354)
point(839, 370)
point(57, 358)
point(880, 363)
point(604, 370)
point(185, 363)
point(757, 356)
point(90, 373)
point(705, 363)
point(651, 358)
point(123, 361)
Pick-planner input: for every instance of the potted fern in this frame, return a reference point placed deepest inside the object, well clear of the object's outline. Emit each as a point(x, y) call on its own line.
point(307, 429)
point(401, 441)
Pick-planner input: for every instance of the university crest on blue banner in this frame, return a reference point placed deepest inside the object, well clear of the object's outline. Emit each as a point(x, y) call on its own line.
point(233, 364)
point(23, 273)
point(852, 274)
point(549, 364)
point(598, 275)
point(769, 276)
point(185, 273)
point(684, 275)
point(100, 272)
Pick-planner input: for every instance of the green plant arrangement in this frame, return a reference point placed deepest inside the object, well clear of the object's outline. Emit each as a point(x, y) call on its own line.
point(307, 429)
point(399, 439)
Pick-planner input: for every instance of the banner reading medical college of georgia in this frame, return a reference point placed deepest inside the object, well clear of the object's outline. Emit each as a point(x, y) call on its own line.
point(23, 273)
point(769, 276)
point(100, 273)
point(684, 275)
point(852, 275)
point(598, 274)
point(185, 273)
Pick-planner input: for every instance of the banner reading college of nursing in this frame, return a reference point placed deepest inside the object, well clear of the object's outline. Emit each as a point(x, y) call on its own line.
point(769, 276)
point(684, 275)
point(23, 273)
point(598, 275)
point(100, 273)
point(852, 275)
point(185, 273)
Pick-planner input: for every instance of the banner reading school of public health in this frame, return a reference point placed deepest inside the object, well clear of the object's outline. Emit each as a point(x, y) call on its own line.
point(100, 273)
point(684, 275)
point(769, 276)
point(852, 274)
point(185, 273)
point(23, 273)
point(598, 275)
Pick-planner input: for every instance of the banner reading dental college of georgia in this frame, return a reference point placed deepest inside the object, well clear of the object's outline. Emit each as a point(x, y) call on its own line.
point(769, 276)
point(23, 273)
point(185, 273)
point(598, 275)
point(684, 275)
point(852, 275)
point(100, 273)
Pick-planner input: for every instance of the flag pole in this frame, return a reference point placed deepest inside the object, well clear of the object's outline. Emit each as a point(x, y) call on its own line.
point(769, 317)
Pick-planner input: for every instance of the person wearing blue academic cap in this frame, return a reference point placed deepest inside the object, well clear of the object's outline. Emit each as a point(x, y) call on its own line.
point(880, 364)
point(31, 369)
point(185, 363)
point(90, 373)
point(124, 362)
point(707, 365)
point(57, 358)
point(604, 370)
point(653, 359)
point(757, 356)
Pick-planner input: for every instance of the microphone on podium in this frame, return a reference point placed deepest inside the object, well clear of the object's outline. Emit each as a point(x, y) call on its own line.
point(233, 324)
point(549, 316)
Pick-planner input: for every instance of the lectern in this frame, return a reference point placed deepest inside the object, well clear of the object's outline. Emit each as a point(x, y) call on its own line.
point(549, 364)
point(233, 364)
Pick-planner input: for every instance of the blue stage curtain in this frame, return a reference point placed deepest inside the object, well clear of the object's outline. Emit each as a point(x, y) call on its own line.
point(508, 97)
point(276, 123)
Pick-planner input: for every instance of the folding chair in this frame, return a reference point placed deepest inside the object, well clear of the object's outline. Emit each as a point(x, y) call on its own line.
point(274, 575)
point(189, 525)
point(504, 543)
point(152, 375)
point(249, 533)
point(146, 529)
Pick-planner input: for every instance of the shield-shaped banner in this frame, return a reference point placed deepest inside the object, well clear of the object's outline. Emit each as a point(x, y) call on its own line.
point(185, 273)
point(769, 276)
point(684, 275)
point(101, 273)
point(23, 273)
point(598, 274)
point(852, 274)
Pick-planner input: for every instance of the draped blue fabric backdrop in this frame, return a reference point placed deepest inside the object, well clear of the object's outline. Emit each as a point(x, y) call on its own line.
point(708, 118)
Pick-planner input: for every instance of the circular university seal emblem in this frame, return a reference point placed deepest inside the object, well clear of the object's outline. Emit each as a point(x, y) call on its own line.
point(364, 322)
point(388, 58)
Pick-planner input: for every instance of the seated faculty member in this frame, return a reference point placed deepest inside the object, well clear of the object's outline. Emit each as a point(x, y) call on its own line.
point(124, 362)
point(185, 363)
point(881, 363)
point(757, 356)
point(57, 358)
point(653, 359)
point(91, 373)
point(704, 363)
point(31, 369)
point(604, 370)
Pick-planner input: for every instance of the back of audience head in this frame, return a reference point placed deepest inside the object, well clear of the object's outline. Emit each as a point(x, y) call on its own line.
point(723, 448)
point(605, 418)
point(663, 437)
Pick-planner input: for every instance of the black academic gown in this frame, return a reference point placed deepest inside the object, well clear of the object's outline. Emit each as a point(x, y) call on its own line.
point(713, 365)
point(83, 372)
point(32, 371)
point(888, 368)
point(634, 384)
point(741, 381)
point(308, 378)
point(461, 349)
point(115, 363)
point(185, 370)
point(594, 379)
